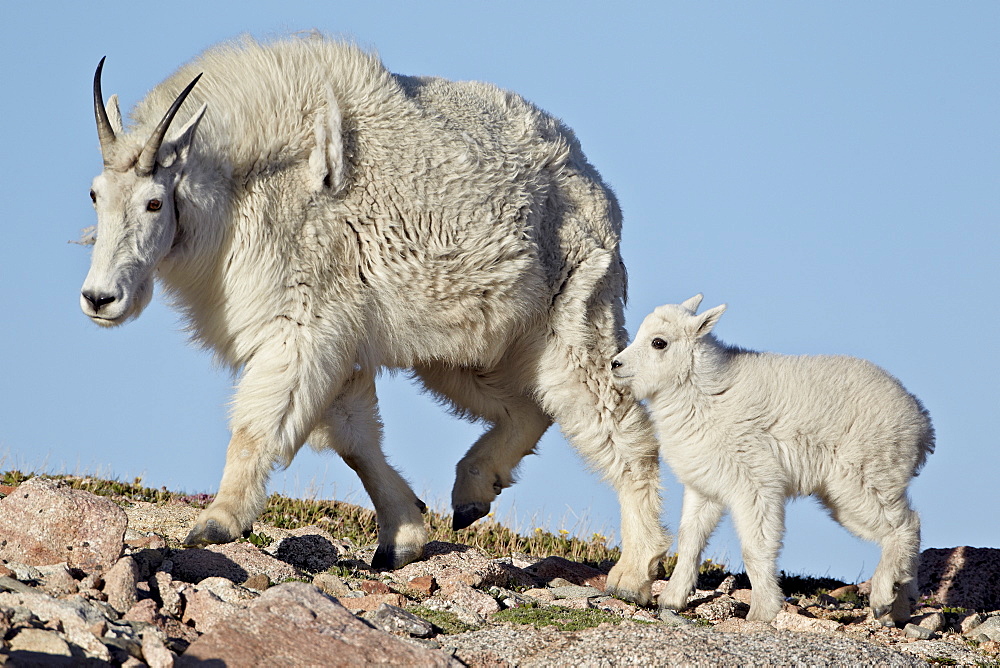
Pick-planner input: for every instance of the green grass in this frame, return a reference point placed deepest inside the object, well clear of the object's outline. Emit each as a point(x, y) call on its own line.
point(346, 520)
point(563, 619)
point(443, 621)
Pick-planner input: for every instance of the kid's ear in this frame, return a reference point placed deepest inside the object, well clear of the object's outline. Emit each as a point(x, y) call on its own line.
point(114, 114)
point(708, 320)
point(179, 147)
point(693, 303)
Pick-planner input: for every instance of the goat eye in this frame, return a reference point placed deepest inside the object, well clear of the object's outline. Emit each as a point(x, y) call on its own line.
point(154, 205)
point(659, 343)
point(93, 197)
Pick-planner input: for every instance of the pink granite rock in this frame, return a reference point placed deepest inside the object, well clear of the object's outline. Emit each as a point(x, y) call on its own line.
point(205, 610)
point(272, 631)
point(120, 582)
point(465, 596)
point(788, 622)
point(233, 561)
point(448, 561)
point(47, 522)
point(557, 567)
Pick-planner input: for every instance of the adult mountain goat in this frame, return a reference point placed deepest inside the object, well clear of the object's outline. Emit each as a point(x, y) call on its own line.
point(745, 430)
point(316, 218)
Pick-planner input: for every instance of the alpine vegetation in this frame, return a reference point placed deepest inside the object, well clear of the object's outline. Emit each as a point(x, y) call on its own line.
point(745, 430)
point(317, 218)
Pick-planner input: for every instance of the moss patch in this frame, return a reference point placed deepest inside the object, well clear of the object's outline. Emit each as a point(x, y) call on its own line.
point(443, 621)
point(563, 619)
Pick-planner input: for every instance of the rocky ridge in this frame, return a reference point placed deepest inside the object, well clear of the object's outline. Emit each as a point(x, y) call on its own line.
point(84, 581)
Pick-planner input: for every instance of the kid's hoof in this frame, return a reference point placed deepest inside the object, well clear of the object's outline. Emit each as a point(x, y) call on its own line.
point(211, 533)
point(883, 614)
point(391, 557)
point(628, 595)
point(467, 513)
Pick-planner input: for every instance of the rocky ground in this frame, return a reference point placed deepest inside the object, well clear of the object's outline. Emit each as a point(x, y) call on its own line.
point(84, 581)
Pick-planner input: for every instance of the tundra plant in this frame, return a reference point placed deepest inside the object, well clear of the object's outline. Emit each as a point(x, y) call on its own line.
point(318, 218)
point(745, 430)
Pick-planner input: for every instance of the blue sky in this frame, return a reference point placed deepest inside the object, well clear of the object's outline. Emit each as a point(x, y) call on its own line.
point(829, 170)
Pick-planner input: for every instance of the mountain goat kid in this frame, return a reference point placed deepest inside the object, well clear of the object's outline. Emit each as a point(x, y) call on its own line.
point(745, 430)
point(317, 218)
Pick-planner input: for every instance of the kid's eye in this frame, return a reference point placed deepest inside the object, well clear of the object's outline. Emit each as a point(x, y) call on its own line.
point(153, 205)
point(659, 343)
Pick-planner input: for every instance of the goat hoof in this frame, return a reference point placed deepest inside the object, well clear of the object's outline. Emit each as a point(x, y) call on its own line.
point(211, 533)
point(391, 557)
point(467, 513)
point(627, 595)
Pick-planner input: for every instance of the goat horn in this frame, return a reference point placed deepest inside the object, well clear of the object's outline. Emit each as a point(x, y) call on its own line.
point(147, 159)
point(104, 130)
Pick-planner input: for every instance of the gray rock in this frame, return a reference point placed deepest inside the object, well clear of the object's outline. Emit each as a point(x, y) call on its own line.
point(720, 608)
point(936, 650)
point(78, 611)
point(671, 618)
point(727, 586)
point(575, 591)
point(632, 644)
point(391, 619)
point(24, 572)
point(39, 641)
point(970, 621)
point(918, 632)
point(464, 615)
point(10, 584)
point(333, 585)
point(989, 628)
point(934, 621)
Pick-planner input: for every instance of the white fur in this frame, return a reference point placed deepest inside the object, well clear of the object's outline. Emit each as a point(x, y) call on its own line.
point(744, 430)
point(329, 219)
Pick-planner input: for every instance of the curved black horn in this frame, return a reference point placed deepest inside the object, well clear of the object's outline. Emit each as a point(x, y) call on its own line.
point(104, 130)
point(147, 159)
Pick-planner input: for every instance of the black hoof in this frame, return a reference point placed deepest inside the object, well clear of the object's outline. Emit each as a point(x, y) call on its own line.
point(212, 533)
point(385, 557)
point(627, 595)
point(468, 513)
point(390, 557)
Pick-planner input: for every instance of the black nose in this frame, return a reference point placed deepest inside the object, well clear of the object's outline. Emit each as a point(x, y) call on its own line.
point(97, 300)
point(615, 364)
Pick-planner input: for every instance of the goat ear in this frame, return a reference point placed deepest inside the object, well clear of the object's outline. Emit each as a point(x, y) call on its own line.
point(693, 303)
point(708, 319)
point(114, 114)
point(327, 168)
point(178, 148)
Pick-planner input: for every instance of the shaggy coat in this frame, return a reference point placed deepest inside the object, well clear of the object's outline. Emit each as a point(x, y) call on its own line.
point(744, 430)
point(318, 218)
